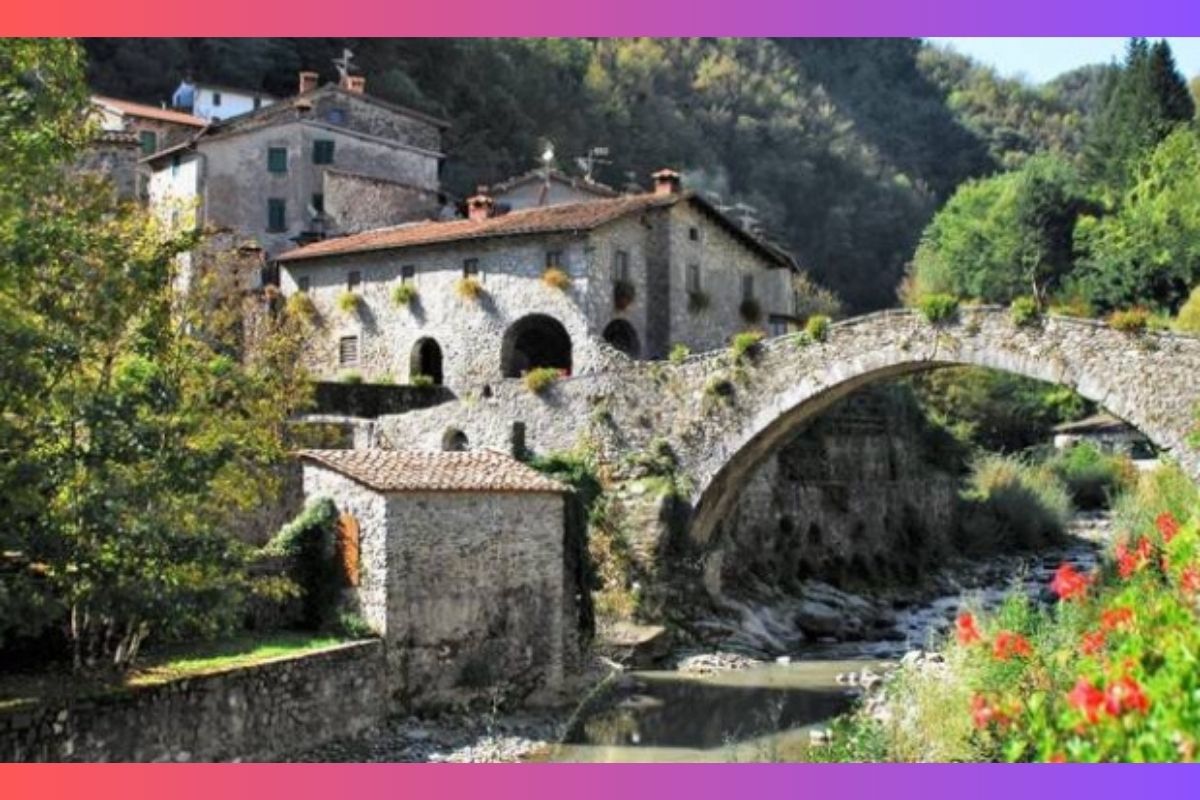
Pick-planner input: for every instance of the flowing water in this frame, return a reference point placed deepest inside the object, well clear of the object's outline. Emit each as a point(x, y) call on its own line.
point(769, 712)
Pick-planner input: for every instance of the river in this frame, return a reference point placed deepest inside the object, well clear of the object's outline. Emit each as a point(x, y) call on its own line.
point(771, 711)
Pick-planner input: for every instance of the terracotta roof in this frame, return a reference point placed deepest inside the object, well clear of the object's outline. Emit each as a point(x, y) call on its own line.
point(428, 471)
point(150, 112)
point(1097, 423)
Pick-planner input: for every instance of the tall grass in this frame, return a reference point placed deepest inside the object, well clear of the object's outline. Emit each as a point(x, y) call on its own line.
point(1010, 503)
point(1094, 478)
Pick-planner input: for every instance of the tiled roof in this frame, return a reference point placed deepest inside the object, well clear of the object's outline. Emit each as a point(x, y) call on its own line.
point(1097, 423)
point(428, 471)
point(567, 217)
point(539, 175)
point(150, 112)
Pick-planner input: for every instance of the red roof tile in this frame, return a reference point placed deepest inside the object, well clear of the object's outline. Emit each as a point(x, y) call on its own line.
point(429, 471)
point(150, 112)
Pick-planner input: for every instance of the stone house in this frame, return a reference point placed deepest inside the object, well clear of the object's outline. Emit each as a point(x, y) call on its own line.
point(1109, 434)
point(458, 561)
point(643, 272)
point(329, 160)
point(546, 187)
point(155, 128)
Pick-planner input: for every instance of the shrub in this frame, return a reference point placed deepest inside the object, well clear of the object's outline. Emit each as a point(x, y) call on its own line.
point(679, 353)
point(404, 294)
point(1092, 477)
point(1188, 318)
point(540, 379)
point(817, 327)
point(1132, 320)
point(623, 295)
point(1009, 503)
point(750, 310)
point(423, 381)
point(697, 301)
point(719, 387)
point(468, 288)
point(937, 308)
point(351, 376)
point(349, 302)
point(306, 542)
point(1024, 311)
point(556, 278)
point(301, 305)
point(746, 345)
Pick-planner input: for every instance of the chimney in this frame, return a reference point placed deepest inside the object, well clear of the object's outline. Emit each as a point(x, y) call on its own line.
point(667, 181)
point(354, 83)
point(480, 206)
point(308, 81)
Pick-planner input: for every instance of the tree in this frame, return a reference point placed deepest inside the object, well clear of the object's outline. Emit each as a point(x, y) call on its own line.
point(1144, 101)
point(1004, 236)
point(133, 424)
point(1149, 250)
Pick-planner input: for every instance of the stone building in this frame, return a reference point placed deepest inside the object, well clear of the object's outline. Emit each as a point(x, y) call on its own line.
point(156, 128)
point(642, 273)
point(329, 160)
point(458, 561)
point(546, 187)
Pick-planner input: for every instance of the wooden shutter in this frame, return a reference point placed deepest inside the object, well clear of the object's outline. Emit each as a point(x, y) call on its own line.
point(347, 549)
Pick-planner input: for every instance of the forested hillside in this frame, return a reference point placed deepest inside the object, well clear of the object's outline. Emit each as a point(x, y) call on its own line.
point(845, 147)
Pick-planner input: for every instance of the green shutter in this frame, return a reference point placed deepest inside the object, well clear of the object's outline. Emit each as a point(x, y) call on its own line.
point(149, 142)
point(276, 159)
point(276, 215)
point(323, 151)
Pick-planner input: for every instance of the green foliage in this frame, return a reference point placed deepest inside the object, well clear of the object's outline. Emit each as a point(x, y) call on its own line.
point(719, 387)
point(937, 308)
point(679, 353)
point(349, 302)
point(1094, 478)
point(745, 345)
point(307, 542)
point(1010, 503)
point(1188, 318)
point(422, 381)
point(540, 379)
point(352, 376)
point(1130, 320)
point(136, 424)
point(404, 294)
point(300, 305)
point(468, 289)
point(817, 327)
point(1024, 311)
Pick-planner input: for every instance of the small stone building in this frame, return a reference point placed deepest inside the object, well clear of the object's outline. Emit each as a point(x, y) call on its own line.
point(456, 559)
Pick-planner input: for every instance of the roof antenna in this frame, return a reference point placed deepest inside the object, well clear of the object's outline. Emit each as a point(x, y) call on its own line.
point(547, 164)
point(344, 64)
point(588, 163)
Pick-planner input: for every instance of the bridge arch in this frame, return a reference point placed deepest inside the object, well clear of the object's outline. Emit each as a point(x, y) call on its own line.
point(1150, 380)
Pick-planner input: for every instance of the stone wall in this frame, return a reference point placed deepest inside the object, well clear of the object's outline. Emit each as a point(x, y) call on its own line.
point(355, 203)
point(249, 714)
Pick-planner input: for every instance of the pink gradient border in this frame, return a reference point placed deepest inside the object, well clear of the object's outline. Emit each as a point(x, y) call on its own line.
point(601, 18)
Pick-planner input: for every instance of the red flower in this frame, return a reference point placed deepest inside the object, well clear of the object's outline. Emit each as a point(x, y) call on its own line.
point(1087, 699)
point(1068, 583)
point(1114, 618)
point(965, 630)
point(1189, 580)
point(984, 713)
point(1124, 695)
point(1058, 758)
point(1092, 643)
point(1130, 561)
point(1010, 644)
point(1167, 525)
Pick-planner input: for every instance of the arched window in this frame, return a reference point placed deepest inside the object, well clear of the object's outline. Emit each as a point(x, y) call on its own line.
point(623, 336)
point(535, 341)
point(426, 359)
point(454, 440)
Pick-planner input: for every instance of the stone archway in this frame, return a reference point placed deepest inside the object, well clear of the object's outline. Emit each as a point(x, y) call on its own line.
point(623, 336)
point(533, 341)
point(426, 359)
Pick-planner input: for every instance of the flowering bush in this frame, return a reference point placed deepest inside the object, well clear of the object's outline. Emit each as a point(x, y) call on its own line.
point(556, 278)
point(468, 288)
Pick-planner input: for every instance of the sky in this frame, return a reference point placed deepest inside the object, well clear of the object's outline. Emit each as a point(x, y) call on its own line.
point(1040, 60)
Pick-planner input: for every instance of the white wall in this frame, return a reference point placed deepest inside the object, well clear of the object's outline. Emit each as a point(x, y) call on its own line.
point(232, 103)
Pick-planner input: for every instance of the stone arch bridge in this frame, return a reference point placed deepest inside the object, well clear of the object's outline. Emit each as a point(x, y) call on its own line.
point(721, 416)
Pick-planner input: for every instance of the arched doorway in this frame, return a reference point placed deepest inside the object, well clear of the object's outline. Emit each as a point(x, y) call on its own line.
point(535, 341)
point(426, 359)
point(623, 336)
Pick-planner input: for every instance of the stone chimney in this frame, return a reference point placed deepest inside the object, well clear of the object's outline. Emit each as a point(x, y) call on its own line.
point(308, 81)
point(480, 205)
point(667, 181)
point(354, 83)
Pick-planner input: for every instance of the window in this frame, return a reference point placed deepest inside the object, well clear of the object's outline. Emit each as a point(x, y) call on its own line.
point(175, 162)
point(553, 258)
point(747, 287)
point(276, 159)
point(694, 234)
point(407, 273)
point(348, 351)
point(257, 103)
point(336, 116)
point(353, 280)
point(318, 203)
point(778, 325)
point(621, 266)
point(149, 142)
point(304, 284)
point(216, 98)
point(323, 151)
point(470, 267)
point(693, 278)
point(276, 215)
